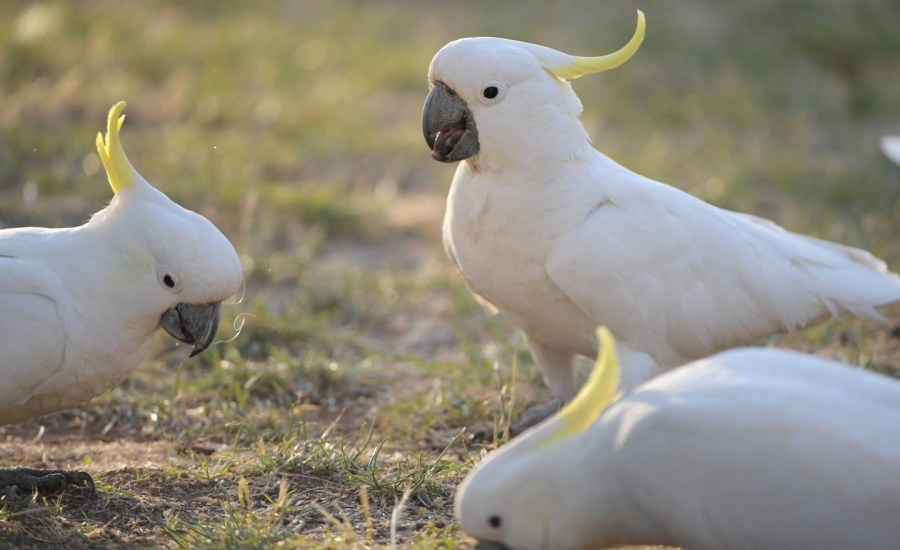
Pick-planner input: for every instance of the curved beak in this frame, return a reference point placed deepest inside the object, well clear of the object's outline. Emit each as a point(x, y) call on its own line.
point(448, 125)
point(192, 324)
point(488, 545)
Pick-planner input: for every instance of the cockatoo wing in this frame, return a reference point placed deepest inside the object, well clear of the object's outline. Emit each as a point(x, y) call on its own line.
point(765, 446)
point(32, 332)
point(680, 279)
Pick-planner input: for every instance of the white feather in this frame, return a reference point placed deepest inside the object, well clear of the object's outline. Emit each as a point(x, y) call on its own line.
point(750, 449)
point(562, 239)
point(78, 305)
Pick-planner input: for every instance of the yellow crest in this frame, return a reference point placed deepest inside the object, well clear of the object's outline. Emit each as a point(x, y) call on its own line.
point(598, 393)
point(586, 65)
point(118, 170)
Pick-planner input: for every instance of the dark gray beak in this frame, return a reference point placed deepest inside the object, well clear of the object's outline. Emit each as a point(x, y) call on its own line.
point(491, 546)
point(448, 126)
point(192, 324)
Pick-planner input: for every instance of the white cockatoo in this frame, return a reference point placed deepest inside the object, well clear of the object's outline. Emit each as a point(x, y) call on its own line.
point(753, 448)
point(79, 305)
point(561, 239)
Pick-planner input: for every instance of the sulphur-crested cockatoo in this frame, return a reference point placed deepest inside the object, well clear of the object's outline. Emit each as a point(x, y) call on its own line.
point(750, 449)
point(560, 238)
point(78, 306)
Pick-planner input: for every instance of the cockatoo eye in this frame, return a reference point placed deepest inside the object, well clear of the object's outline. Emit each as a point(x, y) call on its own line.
point(495, 521)
point(492, 92)
point(168, 279)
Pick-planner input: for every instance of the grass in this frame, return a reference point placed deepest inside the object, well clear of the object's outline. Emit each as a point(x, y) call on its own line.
point(361, 356)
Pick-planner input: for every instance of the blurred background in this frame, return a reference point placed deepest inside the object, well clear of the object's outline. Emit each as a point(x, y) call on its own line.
point(295, 127)
point(769, 106)
point(283, 116)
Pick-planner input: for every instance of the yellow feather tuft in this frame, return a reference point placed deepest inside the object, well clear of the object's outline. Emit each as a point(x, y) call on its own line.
point(118, 169)
point(587, 65)
point(599, 392)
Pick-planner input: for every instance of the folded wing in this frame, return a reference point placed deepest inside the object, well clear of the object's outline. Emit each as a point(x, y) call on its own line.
point(32, 333)
point(680, 279)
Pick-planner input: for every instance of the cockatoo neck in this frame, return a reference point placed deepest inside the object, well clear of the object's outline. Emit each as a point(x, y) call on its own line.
point(587, 464)
point(106, 291)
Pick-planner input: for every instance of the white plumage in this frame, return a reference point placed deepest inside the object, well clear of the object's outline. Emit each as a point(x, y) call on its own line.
point(79, 305)
point(750, 449)
point(560, 238)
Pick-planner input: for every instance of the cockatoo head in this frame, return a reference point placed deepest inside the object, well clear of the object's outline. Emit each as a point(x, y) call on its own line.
point(495, 98)
point(176, 262)
point(531, 492)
